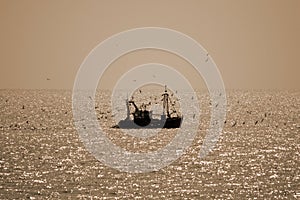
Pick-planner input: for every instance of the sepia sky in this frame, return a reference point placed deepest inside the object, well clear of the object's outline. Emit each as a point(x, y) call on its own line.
point(255, 44)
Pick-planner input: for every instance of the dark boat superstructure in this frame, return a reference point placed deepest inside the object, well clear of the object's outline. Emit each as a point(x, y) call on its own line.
point(140, 117)
point(170, 122)
point(143, 117)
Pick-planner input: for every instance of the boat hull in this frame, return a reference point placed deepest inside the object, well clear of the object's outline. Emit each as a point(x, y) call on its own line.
point(172, 122)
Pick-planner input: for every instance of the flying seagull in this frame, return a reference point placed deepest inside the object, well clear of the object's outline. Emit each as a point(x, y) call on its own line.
point(206, 60)
point(233, 124)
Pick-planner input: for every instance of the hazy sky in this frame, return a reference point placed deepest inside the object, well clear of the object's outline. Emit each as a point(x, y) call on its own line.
point(255, 44)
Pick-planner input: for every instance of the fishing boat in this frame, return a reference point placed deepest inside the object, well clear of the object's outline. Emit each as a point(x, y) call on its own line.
point(143, 118)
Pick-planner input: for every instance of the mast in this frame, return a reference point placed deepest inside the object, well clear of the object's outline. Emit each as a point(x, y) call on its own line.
point(166, 102)
point(127, 106)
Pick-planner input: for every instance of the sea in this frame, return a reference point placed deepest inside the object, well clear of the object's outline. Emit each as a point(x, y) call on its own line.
point(257, 155)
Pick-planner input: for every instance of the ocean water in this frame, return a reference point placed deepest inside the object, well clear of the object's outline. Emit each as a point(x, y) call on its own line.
point(257, 155)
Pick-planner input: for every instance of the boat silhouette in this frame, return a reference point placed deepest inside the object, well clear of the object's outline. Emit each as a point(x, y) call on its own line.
point(143, 118)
